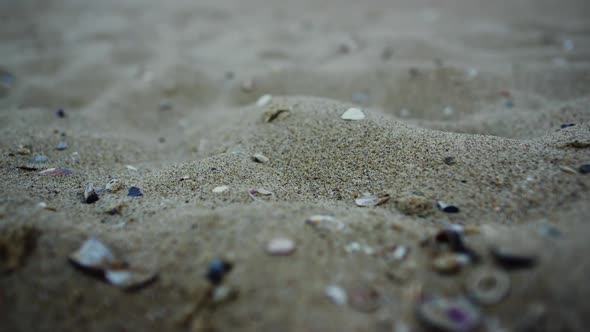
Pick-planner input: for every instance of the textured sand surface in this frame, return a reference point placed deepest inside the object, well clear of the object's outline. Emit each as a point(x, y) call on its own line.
point(170, 88)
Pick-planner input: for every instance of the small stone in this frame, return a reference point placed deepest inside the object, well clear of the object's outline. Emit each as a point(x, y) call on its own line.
point(258, 157)
point(449, 263)
point(263, 100)
point(23, 150)
point(62, 145)
point(450, 160)
point(371, 200)
point(488, 286)
point(444, 207)
point(448, 314)
point(584, 169)
point(90, 195)
point(280, 246)
point(363, 299)
point(60, 113)
point(567, 169)
point(134, 192)
point(217, 271)
point(39, 159)
point(220, 189)
point(336, 294)
point(114, 185)
point(415, 205)
point(511, 260)
point(353, 114)
point(58, 171)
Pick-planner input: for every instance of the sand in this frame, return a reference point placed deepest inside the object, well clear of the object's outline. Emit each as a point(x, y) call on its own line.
point(464, 103)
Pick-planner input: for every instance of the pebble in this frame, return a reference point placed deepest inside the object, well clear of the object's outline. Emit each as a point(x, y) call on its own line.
point(280, 246)
point(217, 271)
point(584, 169)
point(39, 159)
point(450, 160)
point(258, 157)
point(220, 189)
point(114, 185)
point(263, 100)
point(449, 263)
point(62, 145)
point(134, 192)
point(90, 195)
point(448, 314)
point(363, 299)
point(444, 207)
point(488, 286)
point(58, 171)
point(512, 261)
point(567, 169)
point(353, 114)
point(414, 205)
point(60, 113)
point(336, 294)
point(371, 200)
point(23, 150)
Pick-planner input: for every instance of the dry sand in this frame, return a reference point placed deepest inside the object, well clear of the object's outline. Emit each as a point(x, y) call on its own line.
point(170, 87)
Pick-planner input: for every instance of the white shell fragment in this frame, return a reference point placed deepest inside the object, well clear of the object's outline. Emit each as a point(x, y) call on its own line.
point(94, 256)
point(280, 246)
point(323, 222)
point(336, 294)
point(263, 100)
point(220, 189)
point(258, 157)
point(371, 200)
point(260, 191)
point(353, 114)
point(114, 185)
point(131, 168)
point(90, 195)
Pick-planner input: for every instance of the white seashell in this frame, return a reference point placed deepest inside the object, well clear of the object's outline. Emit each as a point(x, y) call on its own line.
point(263, 100)
point(353, 114)
point(336, 294)
point(220, 189)
point(280, 246)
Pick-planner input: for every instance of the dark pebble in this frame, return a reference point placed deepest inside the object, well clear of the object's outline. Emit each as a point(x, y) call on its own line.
point(512, 261)
point(449, 160)
point(134, 192)
point(217, 271)
point(565, 125)
point(60, 113)
point(584, 169)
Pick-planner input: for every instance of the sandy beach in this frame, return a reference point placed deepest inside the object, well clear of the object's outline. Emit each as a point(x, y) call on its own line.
point(390, 166)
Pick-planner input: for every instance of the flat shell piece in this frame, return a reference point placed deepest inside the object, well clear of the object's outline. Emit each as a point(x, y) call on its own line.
point(371, 200)
point(488, 286)
point(259, 157)
point(325, 223)
point(353, 114)
point(56, 171)
point(449, 314)
point(220, 189)
point(336, 294)
point(130, 278)
point(134, 192)
point(94, 254)
point(263, 100)
point(280, 246)
point(114, 185)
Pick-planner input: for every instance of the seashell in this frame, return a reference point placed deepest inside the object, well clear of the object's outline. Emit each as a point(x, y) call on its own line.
point(280, 246)
point(371, 200)
point(353, 114)
point(219, 189)
point(90, 195)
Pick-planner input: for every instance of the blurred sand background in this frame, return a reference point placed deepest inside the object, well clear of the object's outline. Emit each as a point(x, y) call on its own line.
point(170, 88)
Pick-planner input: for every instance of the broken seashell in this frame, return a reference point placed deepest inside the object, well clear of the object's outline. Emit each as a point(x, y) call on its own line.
point(258, 157)
point(95, 257)
point(113, 185)
point(134, 192)
point(263, 100)
point(488, 286)
point(90, 195)
point(448, 314)
point(353, 114)
point(446, 207)
point(219, 189)
point(336, 294)
point(325, 223)
point(371, 200)
point(59, 171)
point(280, 246)
point(275, 112)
